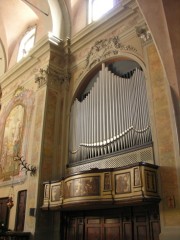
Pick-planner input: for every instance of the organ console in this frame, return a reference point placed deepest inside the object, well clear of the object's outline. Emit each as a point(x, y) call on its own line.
point(112, 117)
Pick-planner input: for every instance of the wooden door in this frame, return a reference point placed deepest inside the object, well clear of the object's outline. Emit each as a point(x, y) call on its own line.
point(93, 228)
point(141, 224)
point(4, 211)
point(146, 222)
point(20, 214)
point(112, 228)
point(74, 229)
point(128, 223)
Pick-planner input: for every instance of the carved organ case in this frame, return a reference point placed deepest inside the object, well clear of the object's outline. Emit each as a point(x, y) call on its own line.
point(111, 117)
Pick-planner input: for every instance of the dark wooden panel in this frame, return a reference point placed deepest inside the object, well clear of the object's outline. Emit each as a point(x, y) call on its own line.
point(71, 228)
point(141, 224)
point(155, 230)
point(93, 233)
point(112, 233)
point(80, 229)
point(4, 211)
point(141, 233)
point(127, 231)
point(137, 223)
point(21, 207)
point(71, 233)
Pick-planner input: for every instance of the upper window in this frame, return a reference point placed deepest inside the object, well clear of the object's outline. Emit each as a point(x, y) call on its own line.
point(97, 8)
point(27, 43)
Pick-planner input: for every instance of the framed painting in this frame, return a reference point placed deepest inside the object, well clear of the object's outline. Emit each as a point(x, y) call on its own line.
point(123, 183)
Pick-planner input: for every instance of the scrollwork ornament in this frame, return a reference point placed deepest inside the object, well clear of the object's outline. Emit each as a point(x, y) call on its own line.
point(51, 77)
point(105, 48)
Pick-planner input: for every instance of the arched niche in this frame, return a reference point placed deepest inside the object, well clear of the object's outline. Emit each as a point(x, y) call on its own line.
point(109, 112)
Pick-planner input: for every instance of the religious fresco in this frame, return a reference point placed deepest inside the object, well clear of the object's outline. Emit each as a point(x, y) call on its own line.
point(80, 187)
point(56, 193)
point(123, 183)
point(150, 178)
point(12, 142)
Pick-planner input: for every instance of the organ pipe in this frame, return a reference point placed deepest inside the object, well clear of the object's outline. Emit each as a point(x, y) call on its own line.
point(112, 117)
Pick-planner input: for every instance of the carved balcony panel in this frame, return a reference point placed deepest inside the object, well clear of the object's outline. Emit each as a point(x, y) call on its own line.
point(132, 184)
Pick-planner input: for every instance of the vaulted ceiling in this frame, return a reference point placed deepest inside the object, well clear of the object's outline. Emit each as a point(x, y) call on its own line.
point(16, 16)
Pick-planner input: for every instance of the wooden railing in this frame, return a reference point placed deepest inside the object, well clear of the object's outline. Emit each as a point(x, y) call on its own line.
point(13, 235)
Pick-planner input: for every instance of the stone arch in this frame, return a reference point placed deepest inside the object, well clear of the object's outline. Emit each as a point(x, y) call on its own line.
point(60, 19)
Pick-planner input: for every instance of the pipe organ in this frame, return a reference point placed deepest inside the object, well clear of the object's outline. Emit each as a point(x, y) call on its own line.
point(112, 117)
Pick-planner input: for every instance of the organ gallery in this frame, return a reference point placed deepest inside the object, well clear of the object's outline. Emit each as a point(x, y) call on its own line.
point(89, 120)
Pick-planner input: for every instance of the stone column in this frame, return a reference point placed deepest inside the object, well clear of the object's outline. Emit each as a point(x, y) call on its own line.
point(52, 81)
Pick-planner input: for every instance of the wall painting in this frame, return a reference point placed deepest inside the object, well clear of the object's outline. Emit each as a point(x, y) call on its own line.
point(12, 143)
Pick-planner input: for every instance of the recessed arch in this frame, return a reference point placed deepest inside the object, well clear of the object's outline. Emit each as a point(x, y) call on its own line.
point(87, 73)
point(109, 114)
point(60, 19)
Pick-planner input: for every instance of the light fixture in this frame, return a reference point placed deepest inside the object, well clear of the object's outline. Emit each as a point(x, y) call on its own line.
point(25, 166)
point(10, 202)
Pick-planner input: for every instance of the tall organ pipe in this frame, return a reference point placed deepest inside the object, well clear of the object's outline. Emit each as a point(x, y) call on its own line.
point(112, 117)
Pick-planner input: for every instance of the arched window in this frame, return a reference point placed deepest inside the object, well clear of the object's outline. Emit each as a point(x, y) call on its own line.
point(97, 8)
point(27, 43)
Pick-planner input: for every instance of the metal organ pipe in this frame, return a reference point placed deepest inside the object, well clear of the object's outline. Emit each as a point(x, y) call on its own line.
point(112, 117)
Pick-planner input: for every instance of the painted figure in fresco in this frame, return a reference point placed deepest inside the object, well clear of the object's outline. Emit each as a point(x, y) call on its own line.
point(11, 144)
point(17, 138)
point(123, 184)
point(55, 193)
